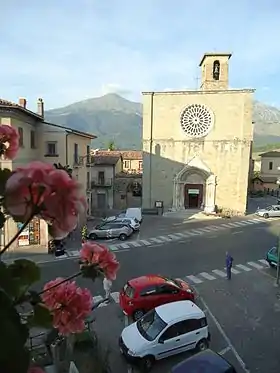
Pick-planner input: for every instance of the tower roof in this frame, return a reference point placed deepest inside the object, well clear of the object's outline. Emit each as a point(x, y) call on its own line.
point(214, 54)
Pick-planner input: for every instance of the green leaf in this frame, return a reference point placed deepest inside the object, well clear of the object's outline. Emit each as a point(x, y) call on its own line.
point(2, 219)
point(4, 176)
point(26, 271)
point(42, 316)
point(13, 333)
point(7, 282)
point(18, 363)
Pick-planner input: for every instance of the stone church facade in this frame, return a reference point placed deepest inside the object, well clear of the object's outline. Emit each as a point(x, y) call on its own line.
point(197, 144)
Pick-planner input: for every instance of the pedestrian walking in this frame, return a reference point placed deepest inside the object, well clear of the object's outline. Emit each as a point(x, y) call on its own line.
point(229, 261)
point(107, 285)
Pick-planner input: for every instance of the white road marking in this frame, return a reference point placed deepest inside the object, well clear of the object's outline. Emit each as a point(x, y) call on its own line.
point(179, 235)
point(248, 222)
point(207, 276)
point(226, 338)
point(62, 257)
point(232, 224)
point(156, 240)
point(237, 232)
point(225, 225)
point(219, 273)
point(240, 223)
point(197, 231)
point(113, 247)
point(192, 233)
point(204, 230)
point(164, 238)
point(234, 271)
point(263, 261)
point(97, 299)
point(244, 268)
point(135, 243)
point(255, 265)
point(194, 279)
point(124, 245)
point(173, 236)
point(145, 242)
point(116, 296)
point(73, 253)
point(224, 351)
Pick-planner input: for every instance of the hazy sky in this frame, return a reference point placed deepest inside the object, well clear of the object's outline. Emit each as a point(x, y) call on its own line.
point(66, 51)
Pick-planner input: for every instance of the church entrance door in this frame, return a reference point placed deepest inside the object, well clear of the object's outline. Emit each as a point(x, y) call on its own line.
point(193, 196)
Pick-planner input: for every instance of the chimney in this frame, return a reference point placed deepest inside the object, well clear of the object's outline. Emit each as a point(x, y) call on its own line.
point(22, 102)
point(40, 107)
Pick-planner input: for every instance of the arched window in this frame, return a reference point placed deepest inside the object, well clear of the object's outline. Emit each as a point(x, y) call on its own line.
point(216, 70)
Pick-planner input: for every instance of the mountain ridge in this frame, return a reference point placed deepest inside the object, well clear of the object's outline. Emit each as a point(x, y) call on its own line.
point(114, 118)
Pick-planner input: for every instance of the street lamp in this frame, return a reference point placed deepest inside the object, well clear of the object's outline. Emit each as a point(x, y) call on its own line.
point(277, 280)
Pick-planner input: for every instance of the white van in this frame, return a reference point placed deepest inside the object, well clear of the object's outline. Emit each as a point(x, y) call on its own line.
point(165, 331)
point(134, 212)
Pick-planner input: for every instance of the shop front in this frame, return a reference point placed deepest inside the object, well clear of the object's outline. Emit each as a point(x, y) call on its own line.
point(31, 235)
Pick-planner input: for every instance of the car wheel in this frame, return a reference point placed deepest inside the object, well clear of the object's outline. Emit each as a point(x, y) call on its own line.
point(266, 216)
point(93, 236)
point(123, 237)
point(147, 363)
point(202, 345)
point(138, 314)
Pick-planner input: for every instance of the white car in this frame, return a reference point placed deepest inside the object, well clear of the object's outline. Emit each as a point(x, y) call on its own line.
point(165, 331)
point(269, 212)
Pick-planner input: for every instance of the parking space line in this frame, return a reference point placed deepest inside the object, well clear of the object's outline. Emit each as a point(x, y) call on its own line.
point(224, 351)
point(226, 338)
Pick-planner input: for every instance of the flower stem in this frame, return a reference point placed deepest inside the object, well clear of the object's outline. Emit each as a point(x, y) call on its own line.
point(15, 236)
point(62, 282)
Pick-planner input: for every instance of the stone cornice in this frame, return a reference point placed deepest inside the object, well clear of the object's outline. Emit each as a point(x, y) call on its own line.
point(200, 92)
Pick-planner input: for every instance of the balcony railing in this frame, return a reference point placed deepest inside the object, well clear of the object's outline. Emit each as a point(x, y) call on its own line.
point(99, 182)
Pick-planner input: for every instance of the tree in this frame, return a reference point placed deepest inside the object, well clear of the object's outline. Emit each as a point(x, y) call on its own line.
point(111, 145)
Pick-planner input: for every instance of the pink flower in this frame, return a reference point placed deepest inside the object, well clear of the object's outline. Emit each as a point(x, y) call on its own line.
point(69, 304)
point(9, 141)
point(41, 189)
point(96, 254)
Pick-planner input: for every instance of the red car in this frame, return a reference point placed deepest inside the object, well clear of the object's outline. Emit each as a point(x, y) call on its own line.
point(144, 293)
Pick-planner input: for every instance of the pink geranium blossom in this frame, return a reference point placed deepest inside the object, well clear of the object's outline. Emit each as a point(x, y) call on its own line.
point(9, 141)
point(39, 188)
point(100, 255)
point(69, 304)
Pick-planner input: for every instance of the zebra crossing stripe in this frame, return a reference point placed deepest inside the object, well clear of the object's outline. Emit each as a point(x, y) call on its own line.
point(197, 231)
point(207, 276)
point(240, 224)
point(116, 296)
point(145, 242)
point(167, 239)
point(225, 225)
point(180, 235)
point(263, 261)
point(173, 236)
point(113, 247)
point(73, 253)
point(124, 245)
point(156, 240)
point(219, 273)
point(135, 243)
point(255, 265)
point(244, 268)
point(248, 222)
point(234, 271)
point(194, 279)
point(97, 299)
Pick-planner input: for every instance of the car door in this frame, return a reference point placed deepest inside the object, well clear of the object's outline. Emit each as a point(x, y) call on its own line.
point(169, 342)
point(277, 211)
point(168, 293)
point(114, 230)
point(193, 330)
point(273, 212)
point(148, 298)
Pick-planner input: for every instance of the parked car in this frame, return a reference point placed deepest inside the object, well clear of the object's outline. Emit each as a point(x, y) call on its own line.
point(272, 257)
point(269, 212)
point(111, 230)
point(206, 361)
point(165, 331)
point(135, 212)
point(132, 222)
point(144, 293)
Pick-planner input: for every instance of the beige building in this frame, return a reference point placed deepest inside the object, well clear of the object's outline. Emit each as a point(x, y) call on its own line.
point(104, 168)
point(197, 144)
point(132, 161)
point(270, 170)
point(40, 140)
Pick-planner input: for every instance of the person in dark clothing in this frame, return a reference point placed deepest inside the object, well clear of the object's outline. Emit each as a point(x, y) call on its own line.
point(229, 261)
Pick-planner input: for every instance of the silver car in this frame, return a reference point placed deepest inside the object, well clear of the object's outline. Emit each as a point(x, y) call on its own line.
point(132, 222)
point(111, 230)
point(269, 212)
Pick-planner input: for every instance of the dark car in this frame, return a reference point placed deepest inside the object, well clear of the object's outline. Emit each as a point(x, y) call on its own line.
point(206, 361)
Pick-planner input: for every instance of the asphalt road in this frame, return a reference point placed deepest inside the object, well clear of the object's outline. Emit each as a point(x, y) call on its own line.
point(243, 314)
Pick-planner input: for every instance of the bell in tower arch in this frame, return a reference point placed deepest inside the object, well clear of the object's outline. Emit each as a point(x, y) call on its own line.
point(216, 70)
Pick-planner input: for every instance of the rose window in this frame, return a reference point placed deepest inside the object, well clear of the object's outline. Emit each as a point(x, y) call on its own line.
point(197, 120)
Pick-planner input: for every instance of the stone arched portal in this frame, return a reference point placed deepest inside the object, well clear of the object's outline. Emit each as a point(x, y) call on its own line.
point(194, 187)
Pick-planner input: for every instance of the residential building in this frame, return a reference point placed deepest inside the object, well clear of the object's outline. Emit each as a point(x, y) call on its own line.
point(270, 169)
point(197, 143)
point(48, 142)
point(104, 168)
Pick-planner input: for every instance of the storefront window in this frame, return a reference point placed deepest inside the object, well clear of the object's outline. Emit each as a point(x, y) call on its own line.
point(31, 234)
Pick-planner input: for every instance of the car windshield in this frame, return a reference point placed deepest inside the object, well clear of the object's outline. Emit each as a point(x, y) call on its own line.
point(269, 208)
point(150, 325)
point(172, 281)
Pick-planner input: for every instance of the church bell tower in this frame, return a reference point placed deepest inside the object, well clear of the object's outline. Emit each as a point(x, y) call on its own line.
point(214, 71)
